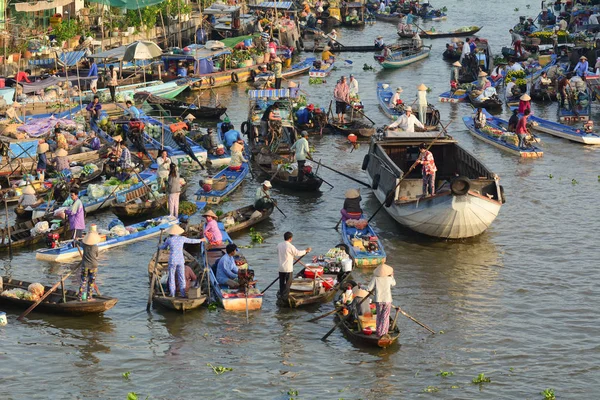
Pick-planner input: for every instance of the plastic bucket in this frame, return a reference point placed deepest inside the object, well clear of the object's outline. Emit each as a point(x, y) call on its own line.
point(3, 320)
point(347, 265)
point(2, 83)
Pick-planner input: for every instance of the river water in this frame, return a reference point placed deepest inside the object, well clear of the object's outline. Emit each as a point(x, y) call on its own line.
point(517, 303)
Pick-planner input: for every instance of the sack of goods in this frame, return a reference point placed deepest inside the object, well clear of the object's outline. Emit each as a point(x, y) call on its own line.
point(119, 230)
point(40, 227)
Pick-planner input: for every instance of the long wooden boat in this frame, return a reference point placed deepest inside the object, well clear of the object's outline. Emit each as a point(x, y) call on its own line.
point(370, 255)
point(20, 233)
point(315, 72)
point(384, 94)
point(465, 31)
point(179, 108)
point(145, 206)
point(309, 291)
point(463, 206)
point(401, 59)
point(284, 180)
point(491, 103)
point(233, 180)
point(295, 70)
point(394, 18)
point(356, 127)
point(160, 295)
point(54, 304)
point(572, 133)
point(141, 231)
point(499, 137)
point(243, 218)
point(167, 90)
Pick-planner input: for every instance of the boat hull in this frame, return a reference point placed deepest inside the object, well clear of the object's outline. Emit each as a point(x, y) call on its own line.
point(363, 258)
point(391, 64)
point(178, 303)
point(563, 131)
point(500, 144)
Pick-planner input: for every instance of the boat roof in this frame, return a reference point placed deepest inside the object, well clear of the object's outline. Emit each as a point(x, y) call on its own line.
point(283, 5)
point(353, 5)
point(215, 10)
point(199, 52)
point(272, 93)
point(65, 59)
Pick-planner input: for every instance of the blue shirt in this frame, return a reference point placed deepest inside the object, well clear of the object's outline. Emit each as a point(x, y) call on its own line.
point(472, 45)
point(409, 19)
point(232, 136)
point(42, 161)
point(133, 112)
point(93, 70)
point(303, 116)
point(181, 71)
point(226, 269)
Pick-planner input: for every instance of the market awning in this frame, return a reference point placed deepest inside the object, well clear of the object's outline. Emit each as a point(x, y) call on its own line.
point(259, 94)
point(128, 4)
point(34, 87)
point(198, 52)
point(216, 10)
point(116, 54)
point(41, 5)
point(67, 59)
point(280, 5)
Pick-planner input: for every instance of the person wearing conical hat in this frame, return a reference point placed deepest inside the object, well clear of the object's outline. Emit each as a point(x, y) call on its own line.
point(358, 295)
point(483, 82)
point(28, 197)
point(42, 163)
point(395, 100)
point(175, 244)
point(351, 209)
point(581, 69)
point(89, 263)
point(327, 56)
point(455, 75)
point(382, 282)
point(212, 233)
point(524, 103)
point(278, 71)
point(422, 102)
point(61, 160)
point(405, 123)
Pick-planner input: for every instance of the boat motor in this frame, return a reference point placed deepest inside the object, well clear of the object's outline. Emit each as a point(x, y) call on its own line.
point(52, 240)
point(245, 278)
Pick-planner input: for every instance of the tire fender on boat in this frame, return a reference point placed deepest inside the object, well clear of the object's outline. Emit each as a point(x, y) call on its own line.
point(502, 198)
point(389, 200)
point(234, 77)
point(212, 81)
point(365, 163)
point(460, 185)
point(245, 128)
point(375, 183)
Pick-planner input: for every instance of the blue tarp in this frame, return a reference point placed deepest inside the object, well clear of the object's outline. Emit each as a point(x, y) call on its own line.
point(68, 59)
point(21, 150)
point(284, 5)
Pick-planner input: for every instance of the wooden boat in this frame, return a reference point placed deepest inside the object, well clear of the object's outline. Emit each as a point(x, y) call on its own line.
point(283, 179)
point(54, 304)
point(346, 14)
point(464, 31)
point(320, 69)
point(243, 218)
point(457, 96)
point(578, 111)
point(571, 133)
point(160, 295)
point(357, 48)
point(499, 137)
point(179, 108)
point(450, 54)
point(310, 291)
point(463, 206)
point(356, 127)
point(394, 18)
point(141, 231)
point(384, 94)
point(225, 182)
point(401, 59)
point(357, 336)
point(370, 255)
point(491, 103)
point(261, 78)
point(144, 206)
point(20, 233)
point(433, 15)
point(167, 90)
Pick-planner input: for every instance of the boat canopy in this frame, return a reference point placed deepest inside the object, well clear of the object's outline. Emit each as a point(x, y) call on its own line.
point(270, 93)
point(66, 59)
point(217, 9)
point(281, 5)
point(200, 55)
point(34, 87)
point(112, 54)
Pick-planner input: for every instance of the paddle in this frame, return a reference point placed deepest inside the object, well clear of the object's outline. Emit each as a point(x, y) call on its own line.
point(341, 173)
point(325, 181)
point(8, 227)
point(414, 320)
point(48, 293)
point(152, 283)
point(276, 279)
point(363, 114)
point(338, 223)
point(344, 318)
point(393, 191)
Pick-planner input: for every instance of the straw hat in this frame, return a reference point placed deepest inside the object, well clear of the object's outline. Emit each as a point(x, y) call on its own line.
point(190, 117)
point(118, 138)
point(358, 292)
point(482, 74)
point(457, 64)
point(236, 147)
point(28, 190)
point(352, 194)
point(43, 148)
point(383, 270)
point(326, 48)
point(175, 230)
point(455, 40)
point(583, 58)
point(379, 37)
point(92, 236)
point(267, 184)
point(209, 213)
point(525, 97)
point(61, 153)
point(304, 134)
point(422, 87)
point(399, 89)
point(208, 181)
point(409, 108)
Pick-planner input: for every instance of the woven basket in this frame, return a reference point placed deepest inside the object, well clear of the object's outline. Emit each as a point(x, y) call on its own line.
point(220, 184)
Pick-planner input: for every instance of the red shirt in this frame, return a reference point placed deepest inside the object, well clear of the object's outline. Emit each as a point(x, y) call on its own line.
point(22, 76)
point(522, 126)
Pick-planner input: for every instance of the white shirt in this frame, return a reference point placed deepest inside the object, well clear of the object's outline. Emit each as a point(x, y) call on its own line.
point(515, 67)
point(353, 85)
point(382, 7)
point(407, 124)
point(509, 88)
point(466, 49)
point(287, 252)
point(164, 165)
point(422, 98)
point(394, 99)
point(383, 288)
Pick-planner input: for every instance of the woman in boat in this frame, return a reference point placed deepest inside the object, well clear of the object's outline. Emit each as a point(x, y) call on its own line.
point(42, 163)
point(164, 167)
point(498, 72)
point(28, 197)
point(89, 264)
point(429, 169)
point(480, 119)
point(61, 161)
point(174, 184)
point(483, 82)
point(455, 75)
point(175, 244)
point(327, 56)
point(227, 270)
point(382, 282)
point(237, 157)
point(521, 130)
point(524, 103)
point(263, 200)
point(358, 296)
point(76, 214)
point(351, 209)
point(212, 233)
point(581, 69)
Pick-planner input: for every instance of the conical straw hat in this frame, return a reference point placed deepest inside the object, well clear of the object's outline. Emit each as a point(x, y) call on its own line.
point(383, 270)
point(92, 237)
point(175, 230)
point(525, 97)
point(352, 193)
point(422, 87)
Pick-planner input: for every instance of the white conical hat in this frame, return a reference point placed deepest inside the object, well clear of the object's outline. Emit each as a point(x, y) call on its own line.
point(457, 64)
point(383, 270)
point(28, 190)
point(422, 87)
point(92, 236)
point(175, 230)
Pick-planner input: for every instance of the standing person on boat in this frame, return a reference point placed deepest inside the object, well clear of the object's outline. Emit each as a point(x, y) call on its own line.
point(212, 233)
point(164, 167)
point(174, 184)
point(524, 103)
point(428, 170)
point(513, 121)
point(455, 75)
point(175, 244)
point(227, 270)
point(262, 199)
point(516, 40)
point(42, 163)
point(89, 264)
point(125, 159)
point(416, 41)
point(93, 73)
point(75, 212)
point(581, 69)
point(396, 101)
point(302, 150)
point(402, 24)
point(563, 84)
point(353, 86)
point(521, 130)
point(94, 109)
point(382, 282)
point(351, 209)
point(466, 49)
point(270, 114)
point(341, 94)
point(61, 161)
point(422, 102)
point(115, 150)
point(277, 70)
point(287, 252)
point(405, 123)
point(409, 20)
point(480, 119)
point(113, 82)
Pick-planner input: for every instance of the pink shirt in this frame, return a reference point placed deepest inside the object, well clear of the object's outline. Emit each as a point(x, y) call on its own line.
point(341, 92)
point(212, 232)
point(522, 126)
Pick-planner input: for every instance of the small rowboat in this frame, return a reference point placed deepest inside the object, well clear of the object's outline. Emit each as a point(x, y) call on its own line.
point(322, 72)
point(491, 103)
point(356, 127)
point(147, 205)
point(499, 137)
point(179, 108)
point(458, 96)
point(20, 233)
point(307, 291)
point(243, 218)
point(295, 70)
point(54, 304)
point(456, 33)
point(228, 182)
point(571, 133)
point(401, 59)
point(384, 94)
point(142, 231)
point(363, 257)
point(387, 17)
point(159, 296)
point(284, 180)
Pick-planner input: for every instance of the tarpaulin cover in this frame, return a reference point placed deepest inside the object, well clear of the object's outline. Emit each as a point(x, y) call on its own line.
point(42, 126)
point(67, 59)
point(34, 87)
point(41, 5)
point(22, 150)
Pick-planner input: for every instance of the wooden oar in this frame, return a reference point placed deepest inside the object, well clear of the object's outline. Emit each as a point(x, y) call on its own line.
point(393, 191)
point(276, 279)
point(414, 320)
point(48, 293)
point(338, 223)
point(8, 227)
point(341, 173)
point(154, 271)
point(344, 318)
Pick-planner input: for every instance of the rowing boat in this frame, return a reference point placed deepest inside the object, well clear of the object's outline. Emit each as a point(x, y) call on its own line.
point(363, 245)
point(244, 218)
point(179, 108)
point(141, 231)
point(399, 59)
point(384, 94)
point(321, 70)
point(353, 127)
point(299, 68)
point(571, 133)
point(225, 182)
point(20, 233)
point(455, 33)
point(54, 304)
point(386, 17)
point(315, 290)
point(283, 179)
point(144, 206)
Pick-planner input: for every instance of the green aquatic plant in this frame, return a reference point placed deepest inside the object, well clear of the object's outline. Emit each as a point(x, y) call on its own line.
point(431, 389)
point(445, 374)
point(516, 10)
point(218, 370)
point(126, 375)
point(481, 378)
point(550, 176)
point(548, 394)
point(256, 236)
point(212, 306)
point(574, 181)
point(132, 396)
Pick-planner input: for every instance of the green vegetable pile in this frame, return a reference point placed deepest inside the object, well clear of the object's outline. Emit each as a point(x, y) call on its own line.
point(256, 236)
point(315, 81)
point(187, 208)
